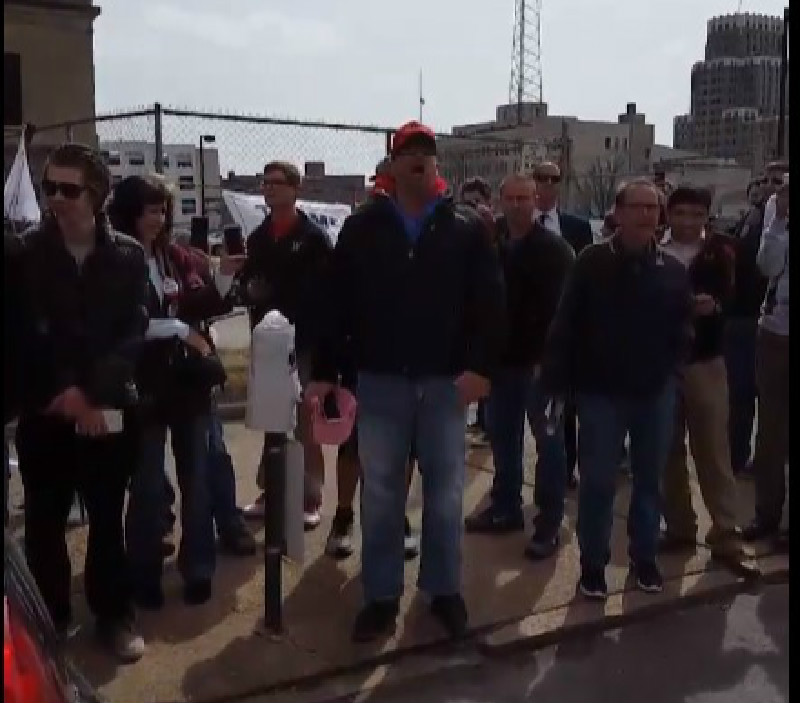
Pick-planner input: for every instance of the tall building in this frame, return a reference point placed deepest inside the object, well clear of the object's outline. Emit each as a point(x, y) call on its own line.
point(735, 98)
point(48, 72)
point(181, 167)
point(593, 155)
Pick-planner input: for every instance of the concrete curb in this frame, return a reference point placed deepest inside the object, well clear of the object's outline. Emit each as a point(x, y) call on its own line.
point(665, 605)
point(477, 639)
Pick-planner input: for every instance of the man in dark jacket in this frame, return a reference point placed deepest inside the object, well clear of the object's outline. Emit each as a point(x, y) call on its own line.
point(417, 293)
point(84, 287)
point(743, 311)
point(535, 263)
point(702, 398)
point(578, 233)
point(287, 256)
point(617, 341)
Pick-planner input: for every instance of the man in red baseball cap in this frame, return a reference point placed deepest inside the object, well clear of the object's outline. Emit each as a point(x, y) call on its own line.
point(416, 303)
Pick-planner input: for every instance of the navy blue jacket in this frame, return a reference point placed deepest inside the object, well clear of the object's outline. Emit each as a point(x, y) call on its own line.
point(434, 307)
point(623, 326)
point(576, 230)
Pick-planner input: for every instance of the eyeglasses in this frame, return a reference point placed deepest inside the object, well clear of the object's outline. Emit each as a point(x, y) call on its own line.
point(71, 191)
point(274, 182)
point(552, 180)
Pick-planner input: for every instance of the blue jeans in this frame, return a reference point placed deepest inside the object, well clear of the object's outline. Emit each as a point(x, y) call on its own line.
point(144, 519)
point(740, 361)
point(222, 480)
point(393, 413)
point(602, 423)
point(515, 395)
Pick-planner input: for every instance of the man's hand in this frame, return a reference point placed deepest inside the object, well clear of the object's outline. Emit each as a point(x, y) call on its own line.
point(472, 387)
point(231, 264)
point(92, 423)
point(704, 304)
point(196, 341)
point(317, 390)
point(71, 403)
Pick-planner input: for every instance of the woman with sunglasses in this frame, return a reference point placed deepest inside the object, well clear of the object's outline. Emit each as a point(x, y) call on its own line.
point(176, 375)
point(81, 288)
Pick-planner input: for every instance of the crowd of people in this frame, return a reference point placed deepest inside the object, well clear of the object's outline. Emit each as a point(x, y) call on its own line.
point(427, 304)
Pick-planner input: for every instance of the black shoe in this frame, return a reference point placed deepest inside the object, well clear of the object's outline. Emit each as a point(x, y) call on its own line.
point(648, 577)
point(758, 530)
point(451, 612)
point(542, 545)
point(340, 539)
point(197, 592)
point(236, 539)
point(593, 584)
point(670, 543)
point(149, 597)
point(489, 521)
point(377, 619)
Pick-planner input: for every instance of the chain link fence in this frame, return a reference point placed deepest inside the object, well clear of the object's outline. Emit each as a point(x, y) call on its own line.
point(336, 159)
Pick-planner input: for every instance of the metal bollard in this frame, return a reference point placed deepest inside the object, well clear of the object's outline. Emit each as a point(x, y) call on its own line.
point(275, 539)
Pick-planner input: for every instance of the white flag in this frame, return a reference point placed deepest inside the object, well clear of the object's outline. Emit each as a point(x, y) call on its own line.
point(19, 198)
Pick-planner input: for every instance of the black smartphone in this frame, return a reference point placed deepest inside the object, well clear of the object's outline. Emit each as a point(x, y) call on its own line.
point(199, 234)
point(234, 241)
point(330, 407)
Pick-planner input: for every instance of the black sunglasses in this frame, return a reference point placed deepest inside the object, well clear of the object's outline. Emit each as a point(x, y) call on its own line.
point(71, 191)
point(552, 180)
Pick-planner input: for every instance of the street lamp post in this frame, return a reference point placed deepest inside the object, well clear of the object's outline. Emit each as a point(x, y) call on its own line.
point(204, 139)
point(782, 85)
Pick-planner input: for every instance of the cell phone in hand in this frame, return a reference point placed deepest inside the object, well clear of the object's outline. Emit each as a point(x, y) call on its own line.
point(330, 407)
point(234, 241)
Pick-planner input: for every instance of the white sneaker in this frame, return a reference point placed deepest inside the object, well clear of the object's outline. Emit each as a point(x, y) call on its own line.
point(311, 518)
point(122, 640)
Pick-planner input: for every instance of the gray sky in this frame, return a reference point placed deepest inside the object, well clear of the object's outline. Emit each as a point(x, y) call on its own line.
point(358, 60)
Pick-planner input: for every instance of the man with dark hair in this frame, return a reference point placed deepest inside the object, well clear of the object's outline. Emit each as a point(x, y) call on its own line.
point(618, 339)
point(578, 234)
point(702, 395)
point(84, 288)
point(536, 263)
point(416, 299)
point(740, 333)
point(287, 256)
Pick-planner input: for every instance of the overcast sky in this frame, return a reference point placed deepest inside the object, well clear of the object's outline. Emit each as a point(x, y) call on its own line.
point(358, 60)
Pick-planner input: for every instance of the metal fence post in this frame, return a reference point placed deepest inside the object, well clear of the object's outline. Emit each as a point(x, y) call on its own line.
point(388, 142)
point(159, 137)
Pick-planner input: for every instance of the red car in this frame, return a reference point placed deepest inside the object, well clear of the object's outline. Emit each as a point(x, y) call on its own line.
point(35, 667)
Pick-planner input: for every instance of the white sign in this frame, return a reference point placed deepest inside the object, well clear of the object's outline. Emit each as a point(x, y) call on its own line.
point(249, 212)
point(19, 197)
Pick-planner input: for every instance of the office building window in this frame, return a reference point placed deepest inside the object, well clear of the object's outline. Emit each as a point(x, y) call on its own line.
point(135, 158)
point(12, 90)
point(188, 206)
point(183, 160)
point(608, 142)
point(114, 158)
point(186, 182)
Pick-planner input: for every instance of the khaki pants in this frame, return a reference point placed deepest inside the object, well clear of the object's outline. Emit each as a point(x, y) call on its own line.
point(772, 437)
point(701, 407)
point(313, 460)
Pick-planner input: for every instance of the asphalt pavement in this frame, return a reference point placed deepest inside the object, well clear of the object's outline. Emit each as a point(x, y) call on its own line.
point(735, 652)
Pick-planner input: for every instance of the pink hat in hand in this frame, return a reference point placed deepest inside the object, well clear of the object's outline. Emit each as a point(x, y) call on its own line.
point(333, 427)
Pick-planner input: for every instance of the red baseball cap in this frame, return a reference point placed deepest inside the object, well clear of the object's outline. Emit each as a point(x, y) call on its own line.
point(412, 133)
